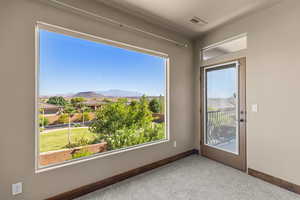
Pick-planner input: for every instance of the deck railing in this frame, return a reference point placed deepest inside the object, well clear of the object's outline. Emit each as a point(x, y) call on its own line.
point(220, 126)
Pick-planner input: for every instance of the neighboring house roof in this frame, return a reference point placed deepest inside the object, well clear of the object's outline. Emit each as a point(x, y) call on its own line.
point(94, 103)
point(48, 106)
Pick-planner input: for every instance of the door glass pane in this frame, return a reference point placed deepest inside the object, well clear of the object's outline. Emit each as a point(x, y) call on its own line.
point(221, 108)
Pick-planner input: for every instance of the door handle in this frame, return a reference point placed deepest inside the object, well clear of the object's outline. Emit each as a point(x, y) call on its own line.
point(242, 120)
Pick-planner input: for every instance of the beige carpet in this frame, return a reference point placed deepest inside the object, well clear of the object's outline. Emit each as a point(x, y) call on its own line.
point(192, 178)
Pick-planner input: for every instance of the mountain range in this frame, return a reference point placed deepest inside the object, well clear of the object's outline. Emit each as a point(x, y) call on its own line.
point(89, 94)
point(99, 94)
point(120, 93)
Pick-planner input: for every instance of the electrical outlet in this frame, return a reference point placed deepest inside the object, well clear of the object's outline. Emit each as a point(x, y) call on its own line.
point(174, 144)
point(16, 188)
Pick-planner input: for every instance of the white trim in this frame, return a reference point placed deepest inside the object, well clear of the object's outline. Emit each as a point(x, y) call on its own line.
point(220, 65)
point(224, 58)
point(237, 66)
point(36, 116)
point(167, 98)
point(224, 41)
point(69, 32)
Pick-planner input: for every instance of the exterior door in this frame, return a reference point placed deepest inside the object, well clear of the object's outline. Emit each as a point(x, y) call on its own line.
point(223, 121)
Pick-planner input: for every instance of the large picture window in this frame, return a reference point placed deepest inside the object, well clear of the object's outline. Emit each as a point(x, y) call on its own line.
point(96, 96)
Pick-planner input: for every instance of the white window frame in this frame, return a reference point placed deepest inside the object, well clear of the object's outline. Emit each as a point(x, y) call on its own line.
point(61, 30)
point(217, 44)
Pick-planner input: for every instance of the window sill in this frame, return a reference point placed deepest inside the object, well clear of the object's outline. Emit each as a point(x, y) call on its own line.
point(97, 156)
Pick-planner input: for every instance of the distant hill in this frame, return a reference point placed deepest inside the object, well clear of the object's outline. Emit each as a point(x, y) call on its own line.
point(99, 94)
point(120, 93)
point(89, 94)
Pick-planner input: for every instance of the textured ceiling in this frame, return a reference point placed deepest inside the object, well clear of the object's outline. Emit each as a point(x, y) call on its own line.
point(176, 14)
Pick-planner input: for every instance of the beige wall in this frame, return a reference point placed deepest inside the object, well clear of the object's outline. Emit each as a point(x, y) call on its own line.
point(17, 78)
point(273, 71)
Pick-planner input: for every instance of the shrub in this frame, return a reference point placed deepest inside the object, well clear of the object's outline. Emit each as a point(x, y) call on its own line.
point(63, 119)
point(130, 137)
point(154, 105)
point(81, 153)
point(77, 101)
point(82, 141)
point(133, 103)
point(85, 116)
point(77, 125)
point(43, 121)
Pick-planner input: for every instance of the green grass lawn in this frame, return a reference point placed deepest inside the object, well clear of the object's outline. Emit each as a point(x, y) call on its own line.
point(58, 139)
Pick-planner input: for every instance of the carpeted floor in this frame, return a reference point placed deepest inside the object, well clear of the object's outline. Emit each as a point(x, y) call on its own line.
point(192, 178)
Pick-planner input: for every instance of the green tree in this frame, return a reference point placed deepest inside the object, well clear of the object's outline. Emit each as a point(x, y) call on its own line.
point(161, 104)
point(85, 113)
point(77, 101)
point(70, 111)
point(133, 103)
point(110, 118)
point(141, 114)
point(42, 118)
point(57, 100)
point(43, 121)
point(120, 124)
point(154, 105)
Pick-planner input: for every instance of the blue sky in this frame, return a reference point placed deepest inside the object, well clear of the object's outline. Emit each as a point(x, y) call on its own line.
point(221, 83)
point(70, 65)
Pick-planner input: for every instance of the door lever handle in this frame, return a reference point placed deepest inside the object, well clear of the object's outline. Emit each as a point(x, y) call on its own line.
point(242, 120)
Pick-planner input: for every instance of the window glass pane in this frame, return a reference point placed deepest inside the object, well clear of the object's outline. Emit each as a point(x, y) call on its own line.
point(225, 48)
point(221, 108)
point(95, 98)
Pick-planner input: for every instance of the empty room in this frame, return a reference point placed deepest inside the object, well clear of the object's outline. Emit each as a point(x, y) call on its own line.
point(144, 100)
